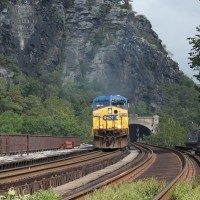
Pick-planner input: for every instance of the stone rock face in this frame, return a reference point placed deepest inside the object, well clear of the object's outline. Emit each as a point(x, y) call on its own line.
point(93, 40)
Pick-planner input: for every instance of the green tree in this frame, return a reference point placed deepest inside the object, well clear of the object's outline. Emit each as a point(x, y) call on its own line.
point(32, 86)
point(169, 133)
point(140, 108)
point(55, 105)
point(60, 124)
point(6, 61)
point(80, 96)
point(54, 116)
point(14, 101)
point(37, 125)
point(3, 93)
point(85, 122)
point(180, 100)
point(195, 55)
point(33, 106)
point(10, 123)
point(51, 83)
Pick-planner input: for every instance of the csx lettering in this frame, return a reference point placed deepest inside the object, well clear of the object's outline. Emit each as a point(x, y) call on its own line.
point(110, 117)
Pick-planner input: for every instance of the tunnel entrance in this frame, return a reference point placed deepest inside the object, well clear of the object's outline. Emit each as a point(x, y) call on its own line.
point(137, 132)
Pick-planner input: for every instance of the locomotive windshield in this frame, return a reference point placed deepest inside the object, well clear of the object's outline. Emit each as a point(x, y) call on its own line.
point(100, 104)
point(103, 101)
point(119, 103)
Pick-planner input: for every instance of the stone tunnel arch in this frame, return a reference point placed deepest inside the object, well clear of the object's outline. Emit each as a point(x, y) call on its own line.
point(142, 126)
point(137, 132)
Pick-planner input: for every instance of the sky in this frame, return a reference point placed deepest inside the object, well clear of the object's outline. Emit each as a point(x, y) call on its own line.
point(174, 21)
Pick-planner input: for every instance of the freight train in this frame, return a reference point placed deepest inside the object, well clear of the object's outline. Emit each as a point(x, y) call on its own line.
point(110, 122)
point(193, 140)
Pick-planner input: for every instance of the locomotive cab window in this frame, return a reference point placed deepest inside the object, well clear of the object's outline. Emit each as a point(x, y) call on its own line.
point(119, 103)
point(100, 104)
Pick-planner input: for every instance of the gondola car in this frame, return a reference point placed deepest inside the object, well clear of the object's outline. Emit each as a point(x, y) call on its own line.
point(110, 122)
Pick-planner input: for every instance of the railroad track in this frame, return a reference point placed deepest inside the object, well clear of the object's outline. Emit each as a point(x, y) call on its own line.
point(161, 163)
point(42, 176)
point(190, 169)
point(30, 161)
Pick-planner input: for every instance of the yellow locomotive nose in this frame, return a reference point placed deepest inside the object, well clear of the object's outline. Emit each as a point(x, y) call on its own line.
point(110, 122)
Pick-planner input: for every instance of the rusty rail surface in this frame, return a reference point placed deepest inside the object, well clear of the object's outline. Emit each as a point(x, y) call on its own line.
point(144, 170)
point(187, 172)
point(36, 177)
point(164, 193)
point(11, 175)
point(133, 169)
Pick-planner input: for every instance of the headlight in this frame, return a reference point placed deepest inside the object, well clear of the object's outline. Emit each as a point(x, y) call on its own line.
point(96, 115)
point(101, 126)
point(119, 126)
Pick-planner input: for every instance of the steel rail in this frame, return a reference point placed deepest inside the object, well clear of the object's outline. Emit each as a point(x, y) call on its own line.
point(67, 174)
point(15, 174)
point(48, 162)
point(164, 193)
point(116, 178)
point(31, 161)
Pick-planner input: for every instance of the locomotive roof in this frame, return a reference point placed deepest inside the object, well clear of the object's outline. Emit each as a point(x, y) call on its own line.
point(109, 98)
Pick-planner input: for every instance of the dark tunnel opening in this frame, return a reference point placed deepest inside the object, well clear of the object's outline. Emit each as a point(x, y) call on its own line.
point(137, 132)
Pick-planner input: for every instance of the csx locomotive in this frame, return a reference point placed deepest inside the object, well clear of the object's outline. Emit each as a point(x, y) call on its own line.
point(110, 122)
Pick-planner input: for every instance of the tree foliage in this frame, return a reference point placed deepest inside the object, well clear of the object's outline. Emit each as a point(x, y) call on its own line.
point(10, 123)
point(169, 133)
point(140, 108)
point(42, 104)
point(195, 55)
point(180, 100)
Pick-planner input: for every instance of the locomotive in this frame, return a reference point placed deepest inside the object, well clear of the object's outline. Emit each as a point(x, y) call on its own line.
point(110, 122)
point(193, 140)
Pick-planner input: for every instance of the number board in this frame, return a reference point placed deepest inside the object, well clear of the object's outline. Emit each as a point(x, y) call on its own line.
point(110, 117)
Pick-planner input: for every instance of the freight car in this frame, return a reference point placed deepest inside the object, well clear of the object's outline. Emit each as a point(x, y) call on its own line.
point(193, 140)
point(10, 144)
point(110, 122)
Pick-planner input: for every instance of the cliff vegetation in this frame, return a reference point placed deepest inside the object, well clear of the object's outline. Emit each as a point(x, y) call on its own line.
point(57, 55)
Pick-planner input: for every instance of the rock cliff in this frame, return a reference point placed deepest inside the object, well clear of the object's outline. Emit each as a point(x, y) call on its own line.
point(92, 40)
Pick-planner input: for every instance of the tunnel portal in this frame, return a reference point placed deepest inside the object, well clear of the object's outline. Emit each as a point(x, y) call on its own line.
point(137, 132)
point(139, 127)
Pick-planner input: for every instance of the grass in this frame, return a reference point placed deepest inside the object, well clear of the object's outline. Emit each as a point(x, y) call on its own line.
point(187, 190)
point(40, 195)
point(140, 190)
